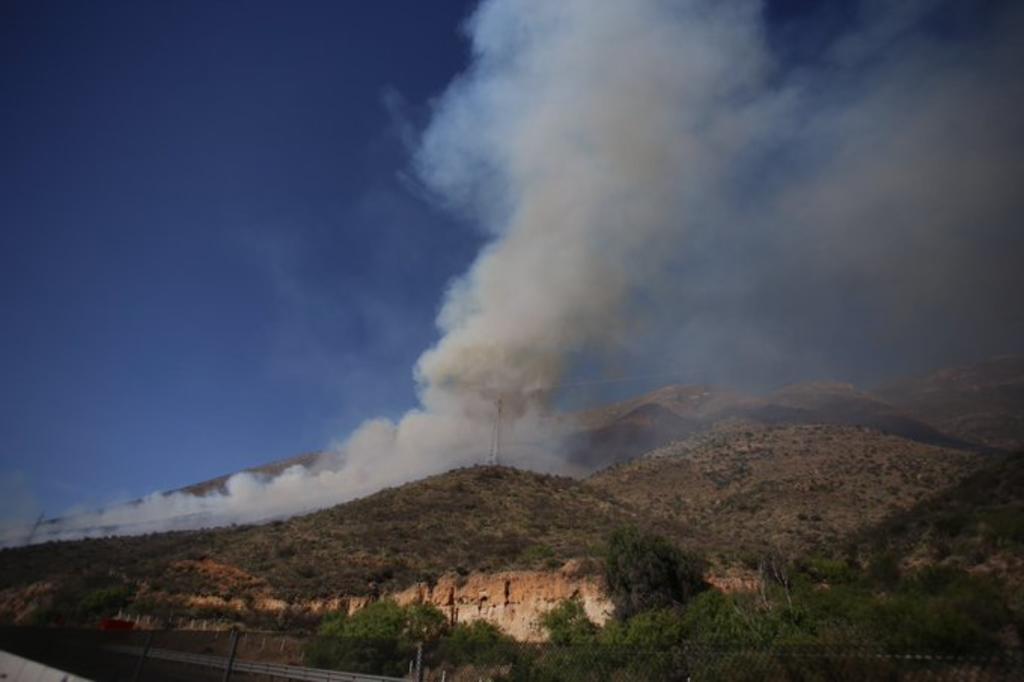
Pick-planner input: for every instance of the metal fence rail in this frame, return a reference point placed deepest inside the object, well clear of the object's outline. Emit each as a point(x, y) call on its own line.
point(289, 672)
point(173, 656)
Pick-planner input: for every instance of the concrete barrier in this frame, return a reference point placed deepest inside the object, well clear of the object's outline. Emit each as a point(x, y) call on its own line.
point(17, 669)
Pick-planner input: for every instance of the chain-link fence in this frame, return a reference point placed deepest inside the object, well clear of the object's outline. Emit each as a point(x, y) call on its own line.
point(205, 655)
point(544, 662)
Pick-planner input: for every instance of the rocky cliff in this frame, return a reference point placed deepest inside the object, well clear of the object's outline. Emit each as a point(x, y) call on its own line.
point(512, 600)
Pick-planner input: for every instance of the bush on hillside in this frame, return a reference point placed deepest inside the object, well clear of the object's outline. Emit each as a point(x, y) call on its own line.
point(568, 623)
point(104, 602)
point(379, 639)
point(645, 572)
point(477, 643)
point(659, 630)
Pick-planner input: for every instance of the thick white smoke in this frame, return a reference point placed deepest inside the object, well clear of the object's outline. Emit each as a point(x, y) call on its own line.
point(610, 149)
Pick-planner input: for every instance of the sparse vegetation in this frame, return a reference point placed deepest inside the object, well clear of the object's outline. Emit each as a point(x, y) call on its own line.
point(482, 518)
point(812, 495)
point(749, 489)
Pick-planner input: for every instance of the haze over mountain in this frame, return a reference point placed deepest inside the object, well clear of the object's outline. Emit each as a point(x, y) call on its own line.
point(669, 416)
point(980, 403)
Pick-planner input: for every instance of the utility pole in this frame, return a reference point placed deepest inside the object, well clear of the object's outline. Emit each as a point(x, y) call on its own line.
point(496, 438)
point(35, 527)
point(232, 649)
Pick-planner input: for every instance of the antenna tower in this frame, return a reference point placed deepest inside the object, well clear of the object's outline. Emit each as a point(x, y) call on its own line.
point(496, 437)
point(35, 527)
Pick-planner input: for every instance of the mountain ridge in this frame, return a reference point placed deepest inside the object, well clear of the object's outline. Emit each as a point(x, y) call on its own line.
point(622, 430)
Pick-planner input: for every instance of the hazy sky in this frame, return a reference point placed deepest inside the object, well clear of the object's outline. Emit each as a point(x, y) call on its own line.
point(218, 247)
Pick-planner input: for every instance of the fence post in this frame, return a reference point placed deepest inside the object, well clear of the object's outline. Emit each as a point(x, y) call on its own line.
point(419, 662)
point(232, 647)
point(142, 659)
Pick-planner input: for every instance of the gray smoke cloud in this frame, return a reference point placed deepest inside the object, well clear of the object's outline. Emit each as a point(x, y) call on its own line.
point(662, 189)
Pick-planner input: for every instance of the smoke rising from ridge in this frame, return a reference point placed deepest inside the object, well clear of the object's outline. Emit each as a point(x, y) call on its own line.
point(661, 188)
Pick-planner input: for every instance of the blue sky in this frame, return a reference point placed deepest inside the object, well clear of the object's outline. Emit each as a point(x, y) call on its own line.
point(208, 258)
point(214, 251)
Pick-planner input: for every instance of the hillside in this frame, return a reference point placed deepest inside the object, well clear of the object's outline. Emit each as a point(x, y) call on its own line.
point(981, 402)
point(745, 487)
point(843, 404)
point(268, 470)
point(475, 519)
point(737, 490)
point(809, 467)
point(977, 524)
point(976, 406)
point(618, 433)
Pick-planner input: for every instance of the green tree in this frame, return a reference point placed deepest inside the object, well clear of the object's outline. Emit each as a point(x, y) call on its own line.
point(648, 631)
point(424, 623)
point(567, 623)
point(105, 601)
point(380, 620)
point(646, 572)
point(479, 643)
point(379, 639)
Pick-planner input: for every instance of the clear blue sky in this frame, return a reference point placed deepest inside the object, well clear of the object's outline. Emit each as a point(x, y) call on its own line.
point(211, 252)
point(208, 258)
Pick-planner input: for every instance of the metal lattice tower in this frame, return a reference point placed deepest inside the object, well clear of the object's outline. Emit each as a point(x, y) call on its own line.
point(35, 527)
point(496, 437)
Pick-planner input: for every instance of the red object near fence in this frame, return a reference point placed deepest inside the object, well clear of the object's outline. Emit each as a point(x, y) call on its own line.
point(116, 624)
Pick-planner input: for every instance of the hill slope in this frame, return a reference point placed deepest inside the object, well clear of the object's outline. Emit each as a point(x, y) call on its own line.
point(977, 524)
point(469, 519)
point(618, 433)
point(269, 470)
point(981, 402)
point(975, 406)
point(746, 487)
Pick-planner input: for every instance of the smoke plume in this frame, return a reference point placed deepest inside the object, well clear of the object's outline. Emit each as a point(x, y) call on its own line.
point(662, 184)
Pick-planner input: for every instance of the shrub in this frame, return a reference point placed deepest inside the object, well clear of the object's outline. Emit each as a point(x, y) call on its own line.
point(105, 601)
point(831, 571)
point(744, 620)
point(567, 623)
point(380, 620)
point(649, 631)
point(884, 569)
point(909, 623)
point(542, 555)
point(379, 639)
point(1004, 526)
point(378, 657)
point(713, 617)
point(477, 643)
point(645, 572)
point(424, 623)
point(941, 608)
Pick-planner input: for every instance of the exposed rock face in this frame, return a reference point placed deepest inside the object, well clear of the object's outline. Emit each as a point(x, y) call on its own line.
point(512, 600)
